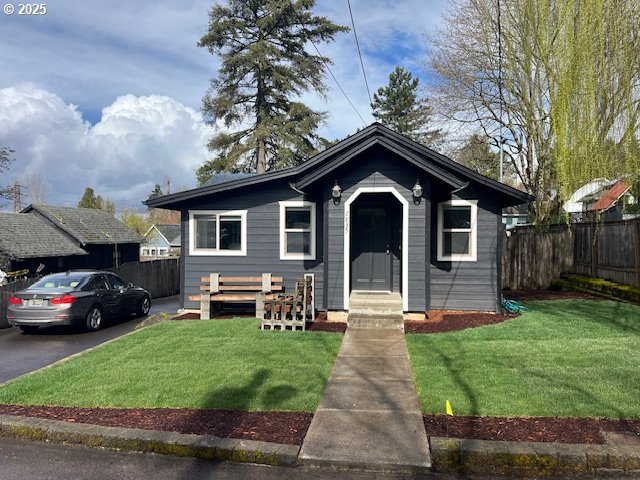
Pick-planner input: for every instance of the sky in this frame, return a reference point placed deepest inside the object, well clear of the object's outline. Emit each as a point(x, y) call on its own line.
point(107, 94)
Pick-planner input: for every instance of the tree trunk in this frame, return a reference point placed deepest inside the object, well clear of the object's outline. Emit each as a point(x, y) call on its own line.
point(261, 165)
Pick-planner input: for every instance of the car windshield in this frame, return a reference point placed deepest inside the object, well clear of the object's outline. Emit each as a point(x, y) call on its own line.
point(61, 281)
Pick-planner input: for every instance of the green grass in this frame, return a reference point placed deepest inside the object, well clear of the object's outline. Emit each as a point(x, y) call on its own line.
point(567, 358)
point(228, 364)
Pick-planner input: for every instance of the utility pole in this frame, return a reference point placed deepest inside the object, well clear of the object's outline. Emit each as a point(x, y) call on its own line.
point(16, 196)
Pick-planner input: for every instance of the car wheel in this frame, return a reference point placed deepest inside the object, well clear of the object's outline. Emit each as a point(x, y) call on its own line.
point(144, 305)
point(28, 328)
point(94, 319)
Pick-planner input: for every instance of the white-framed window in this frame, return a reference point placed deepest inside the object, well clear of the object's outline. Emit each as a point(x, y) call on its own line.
point(457, 230)
point(297, 230)
point(218, 233)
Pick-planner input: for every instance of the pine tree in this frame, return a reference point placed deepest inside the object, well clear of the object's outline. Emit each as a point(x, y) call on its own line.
point(91, 200)
point(477, 155)
point(398, 107)
point(264, 69)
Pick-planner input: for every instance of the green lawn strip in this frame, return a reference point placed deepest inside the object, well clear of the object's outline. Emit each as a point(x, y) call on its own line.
point(227, 364)
point(566, 358)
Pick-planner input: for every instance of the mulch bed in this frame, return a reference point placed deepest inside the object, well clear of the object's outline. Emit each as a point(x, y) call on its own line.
point(280, 427)
point(534, 295)
point(538, 429)
point(291, 427)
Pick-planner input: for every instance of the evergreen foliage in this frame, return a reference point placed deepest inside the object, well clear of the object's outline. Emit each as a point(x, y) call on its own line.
point(399, 107)
point(264, 70)
point(477, 155)
point(91, 200)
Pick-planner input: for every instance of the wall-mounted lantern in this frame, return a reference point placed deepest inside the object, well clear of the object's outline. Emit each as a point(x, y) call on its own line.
point(417, 189)
point(336, 191)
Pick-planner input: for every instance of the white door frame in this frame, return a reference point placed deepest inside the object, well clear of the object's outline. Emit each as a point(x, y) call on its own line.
point(405, 241)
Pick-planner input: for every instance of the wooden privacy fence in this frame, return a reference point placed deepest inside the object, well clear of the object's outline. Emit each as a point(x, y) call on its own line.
point(608, 250)
point(5, 292)
point(160, 277)
point(533, 259)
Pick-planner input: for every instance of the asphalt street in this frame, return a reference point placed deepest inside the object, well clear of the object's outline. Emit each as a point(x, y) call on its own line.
point(23, 353)
point(20, 459)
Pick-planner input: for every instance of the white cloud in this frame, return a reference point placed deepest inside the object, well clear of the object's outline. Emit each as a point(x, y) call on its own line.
point(137, 143)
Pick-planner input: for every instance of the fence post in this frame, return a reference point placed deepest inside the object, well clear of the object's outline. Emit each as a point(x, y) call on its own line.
point(637, 239)
point(594, 248)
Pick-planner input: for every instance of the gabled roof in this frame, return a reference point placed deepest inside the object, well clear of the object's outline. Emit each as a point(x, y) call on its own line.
point(87, 225)
point(26, 235)
point(611, 196)
point(443, 168)
point(171, 233)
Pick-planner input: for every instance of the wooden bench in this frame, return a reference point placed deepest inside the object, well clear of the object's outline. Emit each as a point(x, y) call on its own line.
point(221, 290)
point(290, 311)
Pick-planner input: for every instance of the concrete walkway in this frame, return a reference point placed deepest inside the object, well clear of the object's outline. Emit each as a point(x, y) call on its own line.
point(369, 416)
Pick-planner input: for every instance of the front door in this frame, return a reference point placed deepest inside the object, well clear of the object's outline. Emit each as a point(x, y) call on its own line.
point(371, 247)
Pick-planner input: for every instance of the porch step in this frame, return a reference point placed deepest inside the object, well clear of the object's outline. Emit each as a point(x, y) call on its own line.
point(359, 320)
point(375, 310)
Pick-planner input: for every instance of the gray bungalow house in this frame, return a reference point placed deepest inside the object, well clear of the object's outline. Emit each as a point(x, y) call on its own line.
point(375, 212)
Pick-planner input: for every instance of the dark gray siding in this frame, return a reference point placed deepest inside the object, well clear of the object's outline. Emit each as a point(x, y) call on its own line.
point(377, 169)
point(263, 241)
point(468, 285)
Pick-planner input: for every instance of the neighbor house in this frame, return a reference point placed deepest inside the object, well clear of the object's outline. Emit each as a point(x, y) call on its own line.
point(161, 241)
point(28, 241)
point(375, 212)
point(107, 242)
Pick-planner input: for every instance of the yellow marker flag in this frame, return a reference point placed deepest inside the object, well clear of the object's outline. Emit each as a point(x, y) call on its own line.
point(448, 408)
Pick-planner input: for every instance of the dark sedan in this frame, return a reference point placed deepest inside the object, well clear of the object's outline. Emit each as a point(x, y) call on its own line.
point(83, 298)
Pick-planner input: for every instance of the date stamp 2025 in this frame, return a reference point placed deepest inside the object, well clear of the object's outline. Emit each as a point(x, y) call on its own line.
point(25, 9)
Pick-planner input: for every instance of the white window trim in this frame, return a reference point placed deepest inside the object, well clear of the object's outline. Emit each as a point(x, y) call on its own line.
point(473, 237)
point(283, 238)
point(215, 252)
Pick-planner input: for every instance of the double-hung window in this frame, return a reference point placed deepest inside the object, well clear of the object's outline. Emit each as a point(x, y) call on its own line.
point(218, 233)
point(457, 230)
point(297, 230)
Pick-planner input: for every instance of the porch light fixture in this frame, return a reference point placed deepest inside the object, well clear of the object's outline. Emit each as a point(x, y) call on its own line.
point(417, 189)
point(336, 191)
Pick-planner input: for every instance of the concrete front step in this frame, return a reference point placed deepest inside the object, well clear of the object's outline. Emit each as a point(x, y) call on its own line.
point(367, 320)
point(375, 310)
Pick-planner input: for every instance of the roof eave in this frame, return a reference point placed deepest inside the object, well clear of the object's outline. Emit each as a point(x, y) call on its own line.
point(412, 158)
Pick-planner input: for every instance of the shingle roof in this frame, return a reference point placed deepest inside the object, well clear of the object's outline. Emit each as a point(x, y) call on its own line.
point(171, 233)
point(220, 178)
point(25, 235)
point(87, 225)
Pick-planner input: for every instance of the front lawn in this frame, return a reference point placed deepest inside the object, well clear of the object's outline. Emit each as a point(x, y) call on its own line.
point(567, 358)
point(221, 364)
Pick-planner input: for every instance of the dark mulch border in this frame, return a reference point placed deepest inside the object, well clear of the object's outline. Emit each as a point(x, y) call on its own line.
point(279, 427)
point(537, 429)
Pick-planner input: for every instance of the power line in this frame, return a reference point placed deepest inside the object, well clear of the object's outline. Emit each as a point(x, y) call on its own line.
point(355, 34)
point(326, 65)
point(501, 168)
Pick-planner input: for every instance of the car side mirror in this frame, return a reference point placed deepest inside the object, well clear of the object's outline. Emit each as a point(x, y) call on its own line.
point(129, 285)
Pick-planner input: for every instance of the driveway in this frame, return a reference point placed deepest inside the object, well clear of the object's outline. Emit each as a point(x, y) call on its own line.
point(22, 353)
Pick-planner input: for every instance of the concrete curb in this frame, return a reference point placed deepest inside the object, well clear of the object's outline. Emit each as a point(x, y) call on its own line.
point(532, 459)
point(166, 443)
point(448, 455)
